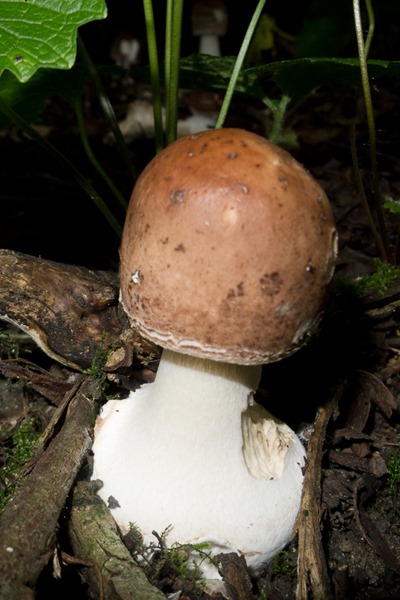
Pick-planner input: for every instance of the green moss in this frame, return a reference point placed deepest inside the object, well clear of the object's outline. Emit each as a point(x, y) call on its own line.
point(388, 497)
point(393, 477)
point(96, 369)
point(165, 565)
point(379, 282)
point(281, 564)
point(19, 451)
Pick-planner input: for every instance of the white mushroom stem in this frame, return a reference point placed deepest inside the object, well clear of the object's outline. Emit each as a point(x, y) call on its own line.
point(209, 44)
point(174, 454)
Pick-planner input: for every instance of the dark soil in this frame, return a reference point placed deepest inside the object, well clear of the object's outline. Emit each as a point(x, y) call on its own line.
point(354, 359)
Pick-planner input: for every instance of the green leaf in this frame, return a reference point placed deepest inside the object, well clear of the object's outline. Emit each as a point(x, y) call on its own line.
point(294, 77)
point(42, 33)
point(392, 206)
point(299, 77)
point(29, 99)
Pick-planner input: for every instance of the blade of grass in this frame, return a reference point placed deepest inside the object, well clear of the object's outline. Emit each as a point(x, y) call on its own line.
point(239, 63)
point(154, 73)
point(65, 163)
point(172, 56)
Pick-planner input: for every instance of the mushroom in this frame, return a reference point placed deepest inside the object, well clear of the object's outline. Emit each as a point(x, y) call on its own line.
point(227, 252)
point(209, 23)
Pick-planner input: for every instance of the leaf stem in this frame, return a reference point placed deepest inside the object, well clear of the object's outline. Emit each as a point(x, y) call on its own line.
point(278, 109)
point(238, 64)
point(363, 197)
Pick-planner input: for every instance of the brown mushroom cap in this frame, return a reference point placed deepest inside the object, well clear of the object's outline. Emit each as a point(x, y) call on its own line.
point(228, 249)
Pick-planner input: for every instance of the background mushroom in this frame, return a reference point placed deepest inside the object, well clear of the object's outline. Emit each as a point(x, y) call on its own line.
point(209, 23)
point(227, 252)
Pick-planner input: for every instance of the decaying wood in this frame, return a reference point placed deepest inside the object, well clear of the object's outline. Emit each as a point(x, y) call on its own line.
point(28, 523)
point(235, 575)
point(71, 312)
point(45, 383)
point(312, 576)
point(113, 574)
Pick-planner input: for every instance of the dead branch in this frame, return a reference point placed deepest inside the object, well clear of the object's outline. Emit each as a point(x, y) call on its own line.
point(70, 312)
point(29, 520)
point(311, 564)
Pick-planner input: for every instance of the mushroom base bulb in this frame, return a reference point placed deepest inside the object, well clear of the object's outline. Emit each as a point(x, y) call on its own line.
point(193, 455)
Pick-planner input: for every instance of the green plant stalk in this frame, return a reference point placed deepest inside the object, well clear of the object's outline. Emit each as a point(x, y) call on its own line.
point(92, 158)
point(65, 163)
point(363, 197)
point(172, 56)
point(371, 27)
point(371, 123)
point(239, 64)
point(154, 73)
point(167, 53)
point(107, 109)
point(278, 110)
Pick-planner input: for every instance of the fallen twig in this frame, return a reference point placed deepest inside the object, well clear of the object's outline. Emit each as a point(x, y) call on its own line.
point(312, 577)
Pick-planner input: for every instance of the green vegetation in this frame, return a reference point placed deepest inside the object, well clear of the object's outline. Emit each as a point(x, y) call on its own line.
point(393, 476)
point(388, 497)
point(281, 564)
point(19, 451)
point(378, 283)
point(165, 565)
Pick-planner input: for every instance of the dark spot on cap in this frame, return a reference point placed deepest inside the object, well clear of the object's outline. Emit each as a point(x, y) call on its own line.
point(239, 289)
point(283, 180)
point(180, 248)
point(177, 196)
point(270, 283)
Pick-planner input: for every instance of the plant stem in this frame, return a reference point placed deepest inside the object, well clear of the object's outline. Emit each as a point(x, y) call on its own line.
point(92, 157)
point(107, 108)
point(363, 197)
point(65, 163)
point(371, 26)
point(238, 64)
point(370, 120)
point(278, 110)
point(172, 55)
point(154, 73)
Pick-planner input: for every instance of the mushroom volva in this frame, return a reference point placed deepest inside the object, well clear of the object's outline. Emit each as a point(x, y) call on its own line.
point(227, 253)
